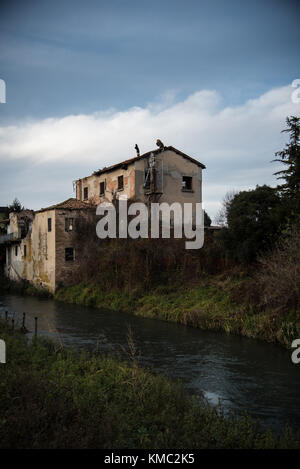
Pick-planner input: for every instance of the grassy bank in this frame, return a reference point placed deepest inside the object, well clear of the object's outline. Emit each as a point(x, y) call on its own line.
point(215, 303)
point(56, 398)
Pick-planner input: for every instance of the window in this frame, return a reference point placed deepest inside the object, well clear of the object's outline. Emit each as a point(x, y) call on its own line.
point(69, 224)
point(49, 224)
point(86, 193)
point(120, 183)
point(102, 188)
point(187, 183)
point(25, 250)
point(16, 250)
point(69, 254)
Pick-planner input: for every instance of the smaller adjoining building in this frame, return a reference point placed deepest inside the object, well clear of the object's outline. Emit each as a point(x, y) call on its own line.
point(40, 245)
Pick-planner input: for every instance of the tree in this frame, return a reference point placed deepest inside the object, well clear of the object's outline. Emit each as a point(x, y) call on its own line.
point(221, 217)
point(15, 206)
point(254, 219)
point(207, 219)
point(290, 157)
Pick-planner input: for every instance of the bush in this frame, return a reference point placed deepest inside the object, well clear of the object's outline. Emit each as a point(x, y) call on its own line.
point(279, 274)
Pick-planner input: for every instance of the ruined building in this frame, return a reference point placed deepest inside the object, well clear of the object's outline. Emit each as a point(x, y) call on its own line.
point(163, 175)
point(40, 245)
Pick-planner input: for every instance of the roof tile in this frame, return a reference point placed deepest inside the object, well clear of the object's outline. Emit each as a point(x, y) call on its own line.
point(69, 204)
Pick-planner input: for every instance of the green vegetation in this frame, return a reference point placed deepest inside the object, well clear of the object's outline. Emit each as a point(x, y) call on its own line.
point(290, 158)
point(255, 219)
point(57, 398)
point(221, 303)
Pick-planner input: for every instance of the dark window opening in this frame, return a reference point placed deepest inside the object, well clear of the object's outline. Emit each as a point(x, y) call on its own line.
point(16, 250)
point(49, 224)
point(120, 182)
point(102, 188)
point(86, 193)
point(187, 183)
point(69, 224)
point(25, 251)
point(69, 254)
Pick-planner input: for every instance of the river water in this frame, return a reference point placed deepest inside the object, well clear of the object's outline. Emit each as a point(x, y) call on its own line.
point(245, 374)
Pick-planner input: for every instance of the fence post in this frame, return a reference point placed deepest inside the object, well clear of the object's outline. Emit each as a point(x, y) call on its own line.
point(35, 327)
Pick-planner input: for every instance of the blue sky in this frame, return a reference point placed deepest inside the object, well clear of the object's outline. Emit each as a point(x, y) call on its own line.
point(133, 62)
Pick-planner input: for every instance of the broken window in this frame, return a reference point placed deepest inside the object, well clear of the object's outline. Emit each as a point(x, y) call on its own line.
point(120, 182)
point(25, 250)
point(86, 193)
point(49, 224)
point(69, 254)
point(187, 183)
point(69, 224)
point(102, 188)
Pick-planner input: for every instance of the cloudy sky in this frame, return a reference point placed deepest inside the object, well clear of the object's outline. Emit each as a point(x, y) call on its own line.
point(85, 81)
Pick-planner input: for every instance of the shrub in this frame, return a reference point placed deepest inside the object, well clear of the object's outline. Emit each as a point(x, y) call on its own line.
point(279, 274)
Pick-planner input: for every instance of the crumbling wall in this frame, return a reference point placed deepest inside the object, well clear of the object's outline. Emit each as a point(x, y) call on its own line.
point(174, 167)
point(65, 270)
point(40, 259)
point(110, 180)
point(14, 263)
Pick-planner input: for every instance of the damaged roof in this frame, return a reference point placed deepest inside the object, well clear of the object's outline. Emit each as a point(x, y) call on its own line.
point(69, 204)
point(24, 213)
point(145, 155)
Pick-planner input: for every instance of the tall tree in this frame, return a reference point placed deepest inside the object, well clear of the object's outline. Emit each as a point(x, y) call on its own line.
point(290, 157)
point(253, 221)
point(15, 206)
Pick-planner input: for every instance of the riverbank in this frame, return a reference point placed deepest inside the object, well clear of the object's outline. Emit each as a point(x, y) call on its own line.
point(218, 302)
point(22, 288)
point(53, 397)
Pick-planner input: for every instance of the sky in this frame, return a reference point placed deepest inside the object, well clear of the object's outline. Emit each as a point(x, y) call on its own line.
point(86, 81)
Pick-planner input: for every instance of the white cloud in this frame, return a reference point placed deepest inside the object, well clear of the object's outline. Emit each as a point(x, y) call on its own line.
point(235, 143)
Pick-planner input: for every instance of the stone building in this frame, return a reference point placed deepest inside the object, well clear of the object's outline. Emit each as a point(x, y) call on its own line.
point(40, 246)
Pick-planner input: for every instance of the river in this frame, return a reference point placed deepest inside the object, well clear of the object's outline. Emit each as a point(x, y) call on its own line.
point(245, 374)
